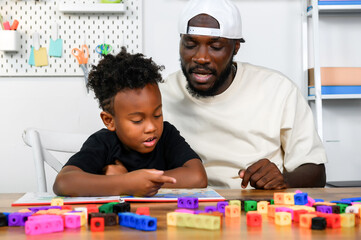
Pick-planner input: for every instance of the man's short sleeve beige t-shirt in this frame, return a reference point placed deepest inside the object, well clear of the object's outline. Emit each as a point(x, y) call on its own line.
point(261, 115)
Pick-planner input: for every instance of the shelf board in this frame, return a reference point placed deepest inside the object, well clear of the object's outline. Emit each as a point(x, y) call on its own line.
point(337, 9)
point(337, 96)
point(92, 8)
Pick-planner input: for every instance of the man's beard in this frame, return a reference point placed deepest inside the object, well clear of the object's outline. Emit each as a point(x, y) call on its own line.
point(213, 89)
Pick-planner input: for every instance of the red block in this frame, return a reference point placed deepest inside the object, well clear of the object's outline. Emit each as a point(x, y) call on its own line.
point(92, 208)
point(97, 224)
point(66, 207)
point(142, 211)
point(297, 213)
point(254, 219)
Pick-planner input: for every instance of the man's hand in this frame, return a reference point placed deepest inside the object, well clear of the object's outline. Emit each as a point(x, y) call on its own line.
point(263, 175)
point(146, 182)
point(115, 169)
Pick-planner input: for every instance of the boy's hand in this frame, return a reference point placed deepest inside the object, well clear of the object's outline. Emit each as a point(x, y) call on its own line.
point(263, 174)
point(147, 182)
point(115, 169)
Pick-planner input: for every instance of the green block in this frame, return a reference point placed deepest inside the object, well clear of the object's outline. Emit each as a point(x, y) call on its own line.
point(107, 208)
point(272, 201)
point(342, 207)
point(250, 205)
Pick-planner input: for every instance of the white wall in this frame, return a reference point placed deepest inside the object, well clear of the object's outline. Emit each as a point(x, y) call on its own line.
point(272, 29)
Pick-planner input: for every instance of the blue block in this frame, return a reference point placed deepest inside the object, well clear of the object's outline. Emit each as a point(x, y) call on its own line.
point(127, 219)
point(355, 199)
point(145, 223)
point(318, 200)
point(339, 2)
point(348, 202)
point(301, 198)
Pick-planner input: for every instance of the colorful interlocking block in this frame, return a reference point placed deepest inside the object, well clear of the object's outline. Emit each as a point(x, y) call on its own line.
point(188, 202)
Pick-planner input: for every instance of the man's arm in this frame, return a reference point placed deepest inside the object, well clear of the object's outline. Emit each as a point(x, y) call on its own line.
point(306, 175)
point(265, 175)
point(72, 181)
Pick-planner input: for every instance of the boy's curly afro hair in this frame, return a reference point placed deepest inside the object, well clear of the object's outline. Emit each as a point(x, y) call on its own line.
point(123, 71)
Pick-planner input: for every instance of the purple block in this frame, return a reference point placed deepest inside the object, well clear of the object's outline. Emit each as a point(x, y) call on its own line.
point(199, 211)
point(324, 209)
point(221, 206)
point(35, 209)
point(18, 219)
point(188, 202)
point(210, 209)
point(55, 207)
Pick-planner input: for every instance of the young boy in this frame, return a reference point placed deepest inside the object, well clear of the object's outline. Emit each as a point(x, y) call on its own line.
point(138, 153)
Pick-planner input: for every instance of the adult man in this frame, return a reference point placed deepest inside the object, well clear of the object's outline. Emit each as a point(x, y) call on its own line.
point(245, 122)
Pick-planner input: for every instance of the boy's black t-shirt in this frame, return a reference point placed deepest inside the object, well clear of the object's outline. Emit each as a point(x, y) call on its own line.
point(103, 148)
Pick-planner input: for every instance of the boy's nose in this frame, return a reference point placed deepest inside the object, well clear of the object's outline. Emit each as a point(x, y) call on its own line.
point(150, 127)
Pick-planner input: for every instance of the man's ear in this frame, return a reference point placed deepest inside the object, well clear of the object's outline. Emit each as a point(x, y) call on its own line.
point(237, 45)
point(108, 120)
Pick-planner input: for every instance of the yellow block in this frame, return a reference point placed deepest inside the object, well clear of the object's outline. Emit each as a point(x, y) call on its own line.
point(289, 199)
point(347, 219)
point(262, 207)
point(57, 202)
point(235, 202)
point(283, 218)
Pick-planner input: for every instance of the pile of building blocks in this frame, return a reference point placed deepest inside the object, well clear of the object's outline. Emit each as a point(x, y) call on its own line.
point(57, 217)
point(284, 209)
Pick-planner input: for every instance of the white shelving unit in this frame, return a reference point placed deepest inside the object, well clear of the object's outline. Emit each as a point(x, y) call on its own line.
point(91, 8)
point(314, 13)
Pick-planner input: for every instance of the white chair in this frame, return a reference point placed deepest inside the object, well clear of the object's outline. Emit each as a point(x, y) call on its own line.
point(44, 141)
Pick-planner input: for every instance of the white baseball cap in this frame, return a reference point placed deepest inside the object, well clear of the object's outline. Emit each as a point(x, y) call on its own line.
point(224, 11)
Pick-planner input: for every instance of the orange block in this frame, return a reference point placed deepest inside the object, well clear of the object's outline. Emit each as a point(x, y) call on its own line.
point(272, 210)
point(306, 220)
point(232, 211)
point(279, 198)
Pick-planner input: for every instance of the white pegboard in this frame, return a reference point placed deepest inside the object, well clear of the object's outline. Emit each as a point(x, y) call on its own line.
point(124, 28)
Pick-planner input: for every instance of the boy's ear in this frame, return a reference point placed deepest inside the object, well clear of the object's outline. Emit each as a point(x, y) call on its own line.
point(108, 120)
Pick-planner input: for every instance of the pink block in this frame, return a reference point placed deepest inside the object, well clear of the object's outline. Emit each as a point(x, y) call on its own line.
point(298, 191)
point(43, 225)
point(285, 209)
point(43, 217)
point(183, 210)
point(72, 221)
point(311, 201)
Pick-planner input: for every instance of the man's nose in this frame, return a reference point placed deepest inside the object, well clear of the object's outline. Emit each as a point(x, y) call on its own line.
point(201, 56)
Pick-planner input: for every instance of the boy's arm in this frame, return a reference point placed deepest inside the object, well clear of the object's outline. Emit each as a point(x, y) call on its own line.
point(191, 175)
point(72, 181)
